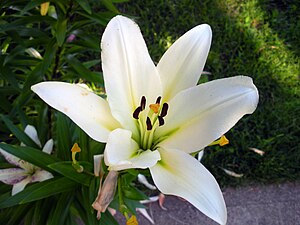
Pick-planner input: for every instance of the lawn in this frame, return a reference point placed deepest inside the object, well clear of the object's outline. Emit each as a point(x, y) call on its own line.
point(254, 38)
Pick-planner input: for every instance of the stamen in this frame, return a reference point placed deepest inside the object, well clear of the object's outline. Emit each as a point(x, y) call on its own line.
point(154, 107)
point(148, 123)
point(223, 141)
point(137, 112)
point(161, 120)
point(75, 148)
point(143, 103)
point(158, 100)
point(164, 110)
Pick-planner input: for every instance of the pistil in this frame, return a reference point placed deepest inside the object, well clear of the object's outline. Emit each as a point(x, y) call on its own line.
point(149, 123)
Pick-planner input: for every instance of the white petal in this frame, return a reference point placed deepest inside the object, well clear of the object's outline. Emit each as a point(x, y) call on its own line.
point(182, 64)
point(48, 147)
point(199, 115)
point(144, 212)
point(12, 175)
point(182, 175)
point(151, 199)
point(41, 175)
point(200, 155)
point(143, 180)
point(122, 152)
point(89, 111)
point(10, 158)
point(128, 70)
point(18, 187)
point(32, 133)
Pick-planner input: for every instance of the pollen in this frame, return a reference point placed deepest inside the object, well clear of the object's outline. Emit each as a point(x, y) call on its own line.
point(76, 148)
point(154, 107)
point(223, 141)
point(132, 220)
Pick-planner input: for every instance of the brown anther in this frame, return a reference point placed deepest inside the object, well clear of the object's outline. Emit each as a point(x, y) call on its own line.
point(137, 112)
point(164, 110)
point(148, 123)
point(158, 100)
point(143, 103)
point(154, 107)
point(161, 121)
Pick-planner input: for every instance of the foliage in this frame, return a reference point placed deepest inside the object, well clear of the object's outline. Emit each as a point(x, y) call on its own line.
point(257, 38)
point(55, 42)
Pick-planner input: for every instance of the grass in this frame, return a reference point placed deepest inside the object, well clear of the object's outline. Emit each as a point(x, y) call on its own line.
point(255, 38)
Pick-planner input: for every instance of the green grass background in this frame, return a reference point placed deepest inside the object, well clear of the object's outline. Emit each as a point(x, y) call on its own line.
point(256, 38)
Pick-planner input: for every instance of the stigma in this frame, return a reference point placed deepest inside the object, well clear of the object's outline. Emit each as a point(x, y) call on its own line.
point(156, 112)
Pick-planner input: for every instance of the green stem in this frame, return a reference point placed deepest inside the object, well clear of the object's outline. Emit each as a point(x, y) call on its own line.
point(122, 206)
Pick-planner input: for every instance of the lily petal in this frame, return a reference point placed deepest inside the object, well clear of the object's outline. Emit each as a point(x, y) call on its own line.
point(18, 187)
point(199, 115)
point(89, 111)
point(144, 212)
point(182, 64)
point(12, 175)
point(128, 70)
point(48, 147)
point(32, 133)
point(41, 175)
point(10, 158)
point(182, 175)
point(122, 152)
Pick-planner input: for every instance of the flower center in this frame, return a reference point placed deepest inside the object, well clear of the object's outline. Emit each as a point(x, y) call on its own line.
point(148, 122)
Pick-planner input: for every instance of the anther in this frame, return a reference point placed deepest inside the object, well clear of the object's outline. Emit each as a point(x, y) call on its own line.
point(148, 123)
point(161, 120)
point(137, 112)
point(158, 100)
point(143, 103)
point(164, 110)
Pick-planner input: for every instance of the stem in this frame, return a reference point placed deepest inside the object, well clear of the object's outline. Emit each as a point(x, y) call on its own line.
point(122, 206)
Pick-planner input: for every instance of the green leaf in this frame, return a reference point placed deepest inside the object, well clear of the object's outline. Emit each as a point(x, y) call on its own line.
point(133, 193)
point(61, 29)
point(5, 104)
point(132, 205)
point(93, 189)
point(16, 51)
point(39, 191)
point(96, 18)
point(63, 136)
point(31, 5)
point(83, 72)
point(108, 219)
point(39, 71)
point(31, 155)
point(110, 6)
point(62, 209)
point(85, 5)
point(91, 63)
point(18, 132)
point(66, 169)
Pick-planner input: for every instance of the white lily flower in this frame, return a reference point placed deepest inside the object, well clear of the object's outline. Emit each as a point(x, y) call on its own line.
point(155, 116)
point(26, 172)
